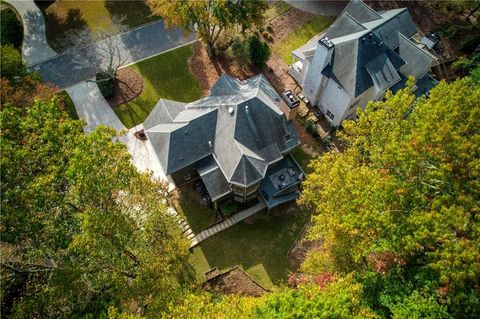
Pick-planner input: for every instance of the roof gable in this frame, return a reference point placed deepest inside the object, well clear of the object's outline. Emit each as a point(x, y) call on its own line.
point(361, 12)
point(418, 61)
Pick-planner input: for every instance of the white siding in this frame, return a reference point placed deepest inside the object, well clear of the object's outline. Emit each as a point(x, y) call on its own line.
point(313, 78)
point(334, 99)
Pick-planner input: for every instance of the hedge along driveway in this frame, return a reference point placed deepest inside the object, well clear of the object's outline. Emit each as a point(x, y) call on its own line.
point(165, 76)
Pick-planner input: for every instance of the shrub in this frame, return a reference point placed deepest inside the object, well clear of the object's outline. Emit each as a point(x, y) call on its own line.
point(106, 84)
point(12, 64)
point(228, 209)
point(259, 52)
point(239, 51)
point(311, 128)
point(11, 29)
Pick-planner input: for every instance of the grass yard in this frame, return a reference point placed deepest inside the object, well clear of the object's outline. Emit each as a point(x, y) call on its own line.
point(275, 9)
point(62, 16)
point(198, 216)
point(166, 76)
point(303, 159)
point(301, 35)
point(258, 244)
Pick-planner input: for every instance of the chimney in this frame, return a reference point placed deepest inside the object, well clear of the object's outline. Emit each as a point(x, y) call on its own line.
point(289, 104)
point(314, 78)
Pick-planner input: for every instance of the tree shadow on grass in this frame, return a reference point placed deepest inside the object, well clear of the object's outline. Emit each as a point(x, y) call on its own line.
point(132, 13)
point(57, 28)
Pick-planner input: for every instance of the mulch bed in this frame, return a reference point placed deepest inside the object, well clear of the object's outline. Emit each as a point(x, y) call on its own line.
point(234, 281)
point(128, 86)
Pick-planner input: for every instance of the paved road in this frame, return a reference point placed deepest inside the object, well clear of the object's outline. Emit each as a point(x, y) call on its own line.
point(66, 69)
point(35, 47)
point(320, 7)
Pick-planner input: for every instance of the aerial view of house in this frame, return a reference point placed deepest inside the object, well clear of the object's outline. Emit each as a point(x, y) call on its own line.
point(358, 58)
point(222, 138)
point(240, 159)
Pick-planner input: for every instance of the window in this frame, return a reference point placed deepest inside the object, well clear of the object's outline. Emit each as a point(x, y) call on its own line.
point(252, 189)
point(287, 138)
point(330, 115)
point(187, 177)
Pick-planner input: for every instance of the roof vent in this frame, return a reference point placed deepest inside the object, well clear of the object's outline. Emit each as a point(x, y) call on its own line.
point(210, 144)
point(186, 132)
point(246, 108)
point(231, 110)
point(181, 158)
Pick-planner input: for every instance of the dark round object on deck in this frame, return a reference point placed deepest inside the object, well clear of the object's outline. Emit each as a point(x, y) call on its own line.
point(281, 177)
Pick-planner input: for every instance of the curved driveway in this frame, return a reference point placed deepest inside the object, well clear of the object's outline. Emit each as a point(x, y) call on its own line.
point(35, 47)
point(136, 44)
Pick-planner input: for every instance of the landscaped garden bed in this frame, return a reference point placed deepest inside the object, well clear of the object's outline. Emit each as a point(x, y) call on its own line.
point(234, 281)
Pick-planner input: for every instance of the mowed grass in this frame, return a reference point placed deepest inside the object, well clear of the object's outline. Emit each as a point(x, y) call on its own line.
point(275, 9)
point(64, 16)
point(303, 159)
point(300, 36)
point(258, 244)
point(189, 204)
point(165, 76)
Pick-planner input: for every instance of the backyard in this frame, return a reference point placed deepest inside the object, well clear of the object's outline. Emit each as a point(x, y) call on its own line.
point(259, 245)
point(301, 35)
point(165, 76)
point(63, 16)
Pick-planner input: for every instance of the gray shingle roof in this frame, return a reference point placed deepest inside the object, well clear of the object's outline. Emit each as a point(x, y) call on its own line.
point(418, 60)
point(382, 72)
point(344, 25)
point(240, 124)
point(213, 178)
point(361, 12)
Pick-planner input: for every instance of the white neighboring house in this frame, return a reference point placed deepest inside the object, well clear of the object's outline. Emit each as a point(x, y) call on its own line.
point(362, 55)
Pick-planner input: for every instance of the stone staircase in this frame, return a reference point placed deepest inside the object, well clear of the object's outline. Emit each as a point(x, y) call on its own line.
point(187, 231)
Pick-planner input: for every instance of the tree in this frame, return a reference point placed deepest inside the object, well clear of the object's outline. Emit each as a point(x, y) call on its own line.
point(12, 64)
point(210, 18)
point(99, 50)
point(405, 193)
point(259, 52)
point(11, 29)
point(82, 229)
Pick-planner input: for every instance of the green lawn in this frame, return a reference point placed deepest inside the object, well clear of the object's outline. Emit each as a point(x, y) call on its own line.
point(62, 16)
point(258, 244)
point(197, 215)
point(301, 35)
point(275, 9)
point(302, 158)
point(164, 76)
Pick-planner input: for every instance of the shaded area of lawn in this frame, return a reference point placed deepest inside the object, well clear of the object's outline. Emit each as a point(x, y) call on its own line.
point(63, 16)
point(166, 76)
point(189, 203)
point(258, 244)
point(303, 159)
point(301, 35)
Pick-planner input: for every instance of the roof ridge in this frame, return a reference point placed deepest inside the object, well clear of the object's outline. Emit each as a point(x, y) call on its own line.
point(356, 21)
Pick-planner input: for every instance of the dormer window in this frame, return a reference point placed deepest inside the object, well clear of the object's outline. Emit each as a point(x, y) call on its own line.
point(287, 138)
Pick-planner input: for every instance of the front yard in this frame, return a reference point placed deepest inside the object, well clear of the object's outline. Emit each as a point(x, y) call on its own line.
point(165, 76)
point(259, 244)
point(63, 16)
point(300, 36)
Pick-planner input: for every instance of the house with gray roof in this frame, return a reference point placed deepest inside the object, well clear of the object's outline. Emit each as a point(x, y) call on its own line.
point(237, 140)
point(363, 54)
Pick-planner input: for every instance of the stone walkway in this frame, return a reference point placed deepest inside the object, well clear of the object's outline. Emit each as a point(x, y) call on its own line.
point(35, 47)
point(227, 223)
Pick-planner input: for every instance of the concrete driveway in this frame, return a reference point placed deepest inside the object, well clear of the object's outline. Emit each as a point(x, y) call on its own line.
point(134, 45)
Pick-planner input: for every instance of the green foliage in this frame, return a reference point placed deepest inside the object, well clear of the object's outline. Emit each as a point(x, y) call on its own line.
point(11, 61)
point(259, 52)
point(405, 192)
point(11, 30)
point(417, 306)
point(106, 84)
point(229, 209)
point(239, 50)
point(82, 229)
point(311, 128)
point(337, 300)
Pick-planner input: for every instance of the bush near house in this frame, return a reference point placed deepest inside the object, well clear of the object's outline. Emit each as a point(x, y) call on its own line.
point(106, 84)
point(259, 52)
point(12, 64)
point(11, 29)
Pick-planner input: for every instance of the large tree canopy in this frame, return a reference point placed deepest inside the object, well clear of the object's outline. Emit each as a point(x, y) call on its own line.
point(405, 194)
point(81, 227)
point(210, 17)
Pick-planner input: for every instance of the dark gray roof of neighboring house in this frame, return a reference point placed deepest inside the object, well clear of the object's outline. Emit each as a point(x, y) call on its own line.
point(418, 61)
point(358, 49)
point(382, 72)
point(240, 124)
point(361, 12)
